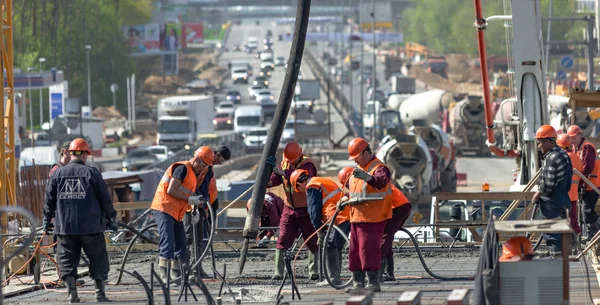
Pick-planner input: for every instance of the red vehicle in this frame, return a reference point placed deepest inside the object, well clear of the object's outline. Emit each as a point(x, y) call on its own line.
point(223, 120)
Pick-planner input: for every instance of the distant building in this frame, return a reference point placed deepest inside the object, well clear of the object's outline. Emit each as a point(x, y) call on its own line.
point(586, 6)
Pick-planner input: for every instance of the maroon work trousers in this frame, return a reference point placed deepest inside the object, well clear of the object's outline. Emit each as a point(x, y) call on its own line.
point(365, 246)
point(291, 223)
point(399, 216)
point(573, 217)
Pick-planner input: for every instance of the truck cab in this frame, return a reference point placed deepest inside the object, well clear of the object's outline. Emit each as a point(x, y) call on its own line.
point(182, 118)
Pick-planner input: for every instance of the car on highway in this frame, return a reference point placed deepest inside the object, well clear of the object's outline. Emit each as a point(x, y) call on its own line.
point(377, 95)
point(280, 61)
point(343, 76)
point(138, 159)
point(239, 75)
point(264, 96)
point(261, 81)
point(253, 89)
point(197, 86)
point(234, 96)
point(160, 151)
point(267, 64)
point(225, 106)
point(289, 131)
point(236, 47)
point(223, 120)
point(268, 45)
point(266, 71)
point(255, 139)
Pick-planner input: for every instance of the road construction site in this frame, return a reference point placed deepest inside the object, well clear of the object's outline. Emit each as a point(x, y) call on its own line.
point(439, 260)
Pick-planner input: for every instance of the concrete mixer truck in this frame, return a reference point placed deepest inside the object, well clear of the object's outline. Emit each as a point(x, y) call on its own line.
point(460, 116)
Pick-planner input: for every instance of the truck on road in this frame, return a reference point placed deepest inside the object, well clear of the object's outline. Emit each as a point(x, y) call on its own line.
point(181, 119)
point(403, 84)
point(306, 94)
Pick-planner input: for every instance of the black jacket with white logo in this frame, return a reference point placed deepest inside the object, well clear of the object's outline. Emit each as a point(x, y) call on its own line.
point(80, 198)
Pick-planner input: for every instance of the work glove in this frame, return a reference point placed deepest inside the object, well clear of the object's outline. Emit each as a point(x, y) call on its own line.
point(321, 240)
point(271, 160)
point(195, 200)
point(361, 174)
point(340, 203)
point(195, 217)
point(47, 227)
point(263, 242)
point(112, 225)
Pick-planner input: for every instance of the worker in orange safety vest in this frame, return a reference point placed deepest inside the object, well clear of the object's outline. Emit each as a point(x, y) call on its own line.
point(323, 196)
point(400, 211)
point(371, 178)
point(516, 249)
point(174, 195)
point(564, 142)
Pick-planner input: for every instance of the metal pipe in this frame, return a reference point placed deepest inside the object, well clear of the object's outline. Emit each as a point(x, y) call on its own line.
point(480, 24)
point(283, 108)
point(591, 48)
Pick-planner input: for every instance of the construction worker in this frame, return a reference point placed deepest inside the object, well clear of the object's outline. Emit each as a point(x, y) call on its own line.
point(83, 206)
point(587, 153)
point(65, 157)
point(368, 219)
point(323, 196)
point(554, 184)
point(564, 142)
point(400, 211)
point(516, 249)
point(294, 218)
point(174, 195)
point(269, 217)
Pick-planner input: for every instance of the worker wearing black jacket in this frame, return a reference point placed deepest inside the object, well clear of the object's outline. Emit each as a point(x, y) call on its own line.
point(83, 206)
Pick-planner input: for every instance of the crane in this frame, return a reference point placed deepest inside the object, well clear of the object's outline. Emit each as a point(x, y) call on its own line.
point(531, 98)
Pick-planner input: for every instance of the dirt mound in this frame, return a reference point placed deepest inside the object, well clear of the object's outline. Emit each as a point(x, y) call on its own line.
point(108, 113)
point(437, 81)
point(460, 69)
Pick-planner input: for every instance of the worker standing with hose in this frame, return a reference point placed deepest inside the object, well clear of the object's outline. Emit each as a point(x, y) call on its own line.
point(83, 206)
point(371, 178)
point(323, 195)
point(269, 217)
point(295, 212)
point(174, 194)
point(564, 142)
point(587, 153)
point(400, 212)
point(554, 183)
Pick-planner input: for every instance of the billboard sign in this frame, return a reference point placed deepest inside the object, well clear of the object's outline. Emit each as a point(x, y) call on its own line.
point(57, 99)
point(172, 40)
point(142, 38)
point(193, 33)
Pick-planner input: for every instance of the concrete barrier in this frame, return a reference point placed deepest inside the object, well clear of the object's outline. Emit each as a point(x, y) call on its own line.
point(458, 297)
point(410, 298)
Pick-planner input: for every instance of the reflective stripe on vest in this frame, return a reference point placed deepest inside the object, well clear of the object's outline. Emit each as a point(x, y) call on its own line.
point(332, 194)
point(375, 209)
point(576, 163)
point(363, 193)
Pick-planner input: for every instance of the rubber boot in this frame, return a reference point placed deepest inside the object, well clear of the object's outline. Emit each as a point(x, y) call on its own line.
point(278, 265)
point(313, 265)
point(384, 263)
point(175, 271)
point(71, 289)
point(389, 272)
point(100, 293)
point(358, 282)
point(333, 268)
point(163, 263)
point(373, 281)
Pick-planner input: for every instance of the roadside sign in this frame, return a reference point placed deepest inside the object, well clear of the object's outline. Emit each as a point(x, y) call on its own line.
point(567, 62)
point(562, 75)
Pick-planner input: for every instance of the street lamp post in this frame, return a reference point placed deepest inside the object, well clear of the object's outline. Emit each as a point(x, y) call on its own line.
point(30, 104)
point(41, 61)
point(113, 89)
point(374, 78)
point(89, 92)
point(362, 66)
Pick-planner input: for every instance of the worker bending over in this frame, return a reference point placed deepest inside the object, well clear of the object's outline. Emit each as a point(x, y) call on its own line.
point(564, 142)
point(587, 153)
point(323, 196)
point(270, 215)
point(518, 248)
point(371, 178)
point(400, 212)
point(79, 196)
point(174, 194)
point(295, 213)
point(554, 183)
point(65, 157)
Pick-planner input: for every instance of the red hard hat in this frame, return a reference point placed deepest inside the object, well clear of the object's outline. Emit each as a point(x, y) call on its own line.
point(519, 246)
point(545, 132)
point(79, 144)
point(205, 154)
point(574, 130)
point(292, 151)
point(299, 175)
point(356, 146)
point(344, 174)
point(563, 141)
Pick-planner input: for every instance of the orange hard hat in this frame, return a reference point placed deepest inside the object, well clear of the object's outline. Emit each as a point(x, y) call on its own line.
point(79, 145)
point(545, 132)
point(574, 130)
point(292, 151)
point(356, 147)
point(344, 174)
point(205, 154)
point(298, 176)
point(517, 247)
point(563, 141)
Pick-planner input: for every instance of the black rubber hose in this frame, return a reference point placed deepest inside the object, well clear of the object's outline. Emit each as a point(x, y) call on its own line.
point(324, 254)
point(136, 232)
point(130, 246)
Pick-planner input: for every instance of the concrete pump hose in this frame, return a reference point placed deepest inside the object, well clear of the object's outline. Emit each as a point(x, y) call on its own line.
point(324, 255)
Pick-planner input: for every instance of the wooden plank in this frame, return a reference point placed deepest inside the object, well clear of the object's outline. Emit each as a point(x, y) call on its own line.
point(458, 297)
point(483, 196)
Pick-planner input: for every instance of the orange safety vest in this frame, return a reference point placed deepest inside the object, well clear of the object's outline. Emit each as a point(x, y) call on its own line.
point(331, 196)
point(595, 170)
point(577, 164)
point(213, 192)
point(168, 204)
point(294, 199)
point(398, 198)
point(373, 210)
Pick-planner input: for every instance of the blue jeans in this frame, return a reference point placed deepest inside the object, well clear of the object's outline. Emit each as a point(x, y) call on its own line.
point(551, 211)
point(336, 240)
point(172, 242)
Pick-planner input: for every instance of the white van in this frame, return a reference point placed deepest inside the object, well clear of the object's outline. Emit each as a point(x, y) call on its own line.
point(248, 118)
point(44, 155)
